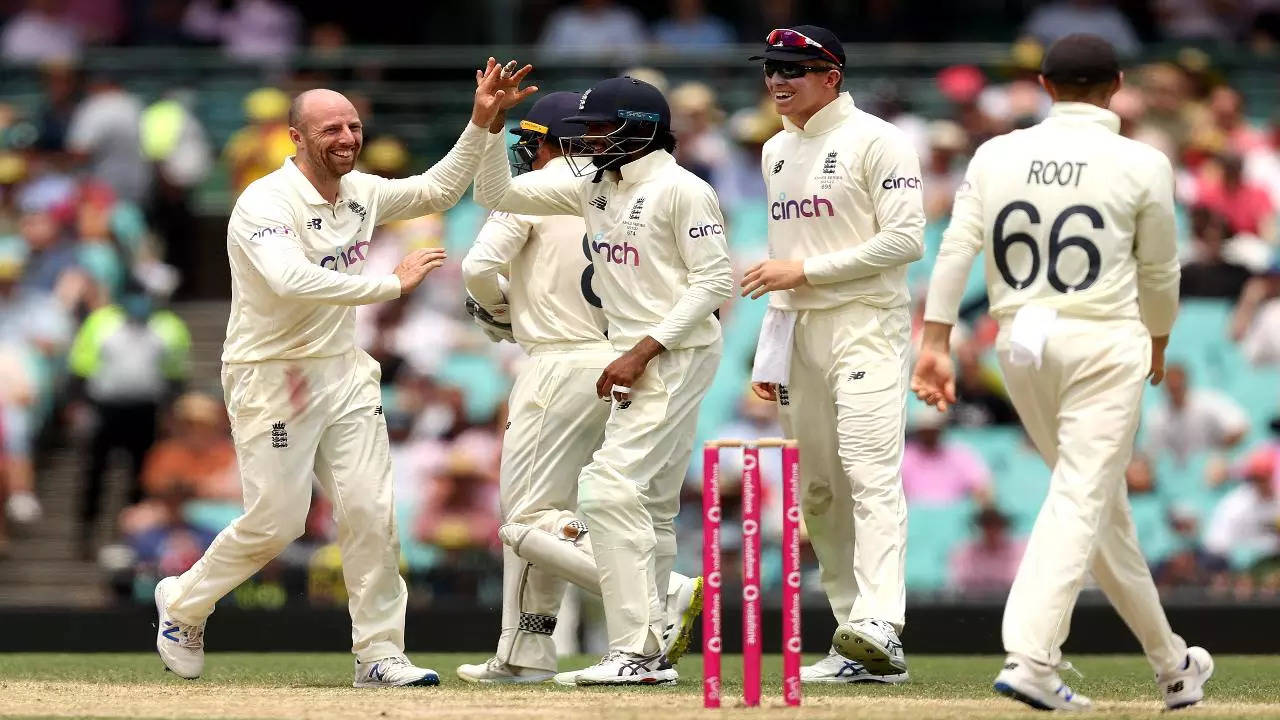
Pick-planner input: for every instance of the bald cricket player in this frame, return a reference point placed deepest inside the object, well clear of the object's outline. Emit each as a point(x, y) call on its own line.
point(301, 396)
point(1082, 275)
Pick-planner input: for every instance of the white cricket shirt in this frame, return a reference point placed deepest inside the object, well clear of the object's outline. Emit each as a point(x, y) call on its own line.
point(548, 262)
point(1072, 216)
point(844, 195)
point(296, 259)
point(656, 237)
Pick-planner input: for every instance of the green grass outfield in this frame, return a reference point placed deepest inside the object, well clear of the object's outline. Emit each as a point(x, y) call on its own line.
point(291, 685)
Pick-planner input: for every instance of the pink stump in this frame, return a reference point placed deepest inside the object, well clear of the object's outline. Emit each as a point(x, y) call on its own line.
point(751, 636)
point(711, 642)
point(791, 574)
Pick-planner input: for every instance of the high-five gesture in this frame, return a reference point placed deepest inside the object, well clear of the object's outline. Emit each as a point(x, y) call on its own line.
point(498, 89)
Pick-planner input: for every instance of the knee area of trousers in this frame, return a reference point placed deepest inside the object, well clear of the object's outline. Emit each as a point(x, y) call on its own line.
point(816, 502)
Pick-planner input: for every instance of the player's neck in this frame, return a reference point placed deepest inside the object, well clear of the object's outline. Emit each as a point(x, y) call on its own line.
point(799, 119)
point(324, 182)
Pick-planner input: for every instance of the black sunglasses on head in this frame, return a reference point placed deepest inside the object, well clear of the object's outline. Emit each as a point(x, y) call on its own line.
point(791, 71)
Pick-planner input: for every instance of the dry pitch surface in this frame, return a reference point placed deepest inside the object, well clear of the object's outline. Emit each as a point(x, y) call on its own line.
point(288, 685)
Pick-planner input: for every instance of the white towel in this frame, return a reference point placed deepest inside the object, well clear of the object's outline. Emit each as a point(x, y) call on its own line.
point(1031, 328)
point(773, 349)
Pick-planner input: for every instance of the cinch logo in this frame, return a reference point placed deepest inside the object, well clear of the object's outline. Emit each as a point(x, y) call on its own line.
point(621, 254)
point(784, 209)
point(893, 183)
point(705, 230)
point(348, 257)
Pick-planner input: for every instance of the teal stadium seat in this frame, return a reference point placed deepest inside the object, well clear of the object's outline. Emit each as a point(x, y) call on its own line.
point(933, 533)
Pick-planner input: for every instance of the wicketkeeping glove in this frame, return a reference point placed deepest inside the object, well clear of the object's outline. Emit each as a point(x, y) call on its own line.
point(492, 321)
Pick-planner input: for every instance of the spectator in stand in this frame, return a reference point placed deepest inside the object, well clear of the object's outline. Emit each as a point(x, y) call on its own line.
point(1209, 274)
point(1244, 526)
point(126, 361)
point(460, 508)
point(738, 182)
point(1192, 421)
point(171, 545)
point(175, 141)
point(1060, 18)
point(1226, 109)
point(1167, 97)
point(943, 167)
point(1197, 20)
point(249, 30)
point(41, 32)
point(261, 146)
point(596, 29)
point(690, 27)
point(159, 24)
point(60, 85)
point(987, 564)
point(962, 85)
point(1190, 564)
point(696, 120)
point(104, 135)
point(1221, 187)
point(1256, 322)
point(981, 399)
point(937, 472)
point(99, 22)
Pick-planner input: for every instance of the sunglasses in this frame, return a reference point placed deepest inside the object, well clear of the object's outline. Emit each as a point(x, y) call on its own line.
point(783, 37)
point(791, 71)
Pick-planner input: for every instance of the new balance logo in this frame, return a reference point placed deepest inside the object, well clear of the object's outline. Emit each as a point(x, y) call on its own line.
point(777, 167)
point(314, 223)
point(357, 208)
point(1011, 666)
point(279, 436)
point(598, 202)
point(377, 410)
point(829, 165)
point(1174, 688)
point(624, 404)
point(857, 375)
point(636, 208)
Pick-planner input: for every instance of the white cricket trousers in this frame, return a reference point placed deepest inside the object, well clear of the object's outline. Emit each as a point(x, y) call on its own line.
point(845, 405)
point(555, 423)
point(1081, 409)
point(630, 493)
point(290, 418)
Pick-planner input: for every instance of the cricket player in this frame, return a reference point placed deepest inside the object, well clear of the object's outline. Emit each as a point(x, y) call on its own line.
point(302, 398)
point(656, 239)
point(846, 217)
point(1082, 274)
point(555, 420)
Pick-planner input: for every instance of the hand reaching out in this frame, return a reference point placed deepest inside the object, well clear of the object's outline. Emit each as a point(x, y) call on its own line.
point(498, 90)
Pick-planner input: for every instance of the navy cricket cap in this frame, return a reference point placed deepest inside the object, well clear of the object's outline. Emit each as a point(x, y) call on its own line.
point(546, 117)
point(622, 98)
point(789, 45)
point(1080, 59)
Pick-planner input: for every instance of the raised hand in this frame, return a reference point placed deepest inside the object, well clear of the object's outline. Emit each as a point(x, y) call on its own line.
point(498, 89)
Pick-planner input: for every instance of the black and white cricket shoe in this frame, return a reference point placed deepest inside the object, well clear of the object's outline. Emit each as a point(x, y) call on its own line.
point(394, 671)
point(872, 642)
point(1038, 686)
point(835, 669)
point(624, 668)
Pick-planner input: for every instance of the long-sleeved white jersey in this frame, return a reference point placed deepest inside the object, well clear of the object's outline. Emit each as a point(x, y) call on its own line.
point(844, 195)
point(548, 262)
point(296, 259)
point(1072, 216)
point(656, 237)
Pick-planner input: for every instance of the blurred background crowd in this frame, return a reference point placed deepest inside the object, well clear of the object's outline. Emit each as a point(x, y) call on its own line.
point(128, 127)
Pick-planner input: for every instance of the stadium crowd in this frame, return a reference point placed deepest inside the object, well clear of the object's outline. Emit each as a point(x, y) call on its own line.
point(96, 190)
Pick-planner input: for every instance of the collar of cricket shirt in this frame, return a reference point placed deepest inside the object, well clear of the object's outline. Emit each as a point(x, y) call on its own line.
point(1078, 111)
point(826, 119)
point(310, 195)
point(649, 166)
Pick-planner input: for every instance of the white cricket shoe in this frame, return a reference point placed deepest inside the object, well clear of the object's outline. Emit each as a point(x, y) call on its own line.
point(872, 642)
point(624, 668)
point(181, 646)
point(1038, 685)
point(1184, 686)
point(835, 669)
point(684, 605)
point(494, 671)
point(394, 671)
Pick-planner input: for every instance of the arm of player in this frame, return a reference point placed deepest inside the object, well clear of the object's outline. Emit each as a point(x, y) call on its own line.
point(700, 240)
point(437, 189)
point(273, 248)
point(934, 379)
point(1155, 249)
point(501, 238)
point(899, 213)
point(530, 194)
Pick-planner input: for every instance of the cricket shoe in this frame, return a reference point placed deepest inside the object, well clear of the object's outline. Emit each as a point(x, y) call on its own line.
point(181, 646)
point(394, 671)
point(495, 672)
point(684, 604)
point(624, 668)
point(1184, 686)
point(835, 669)
point(873, 643)
point(1038, 685)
